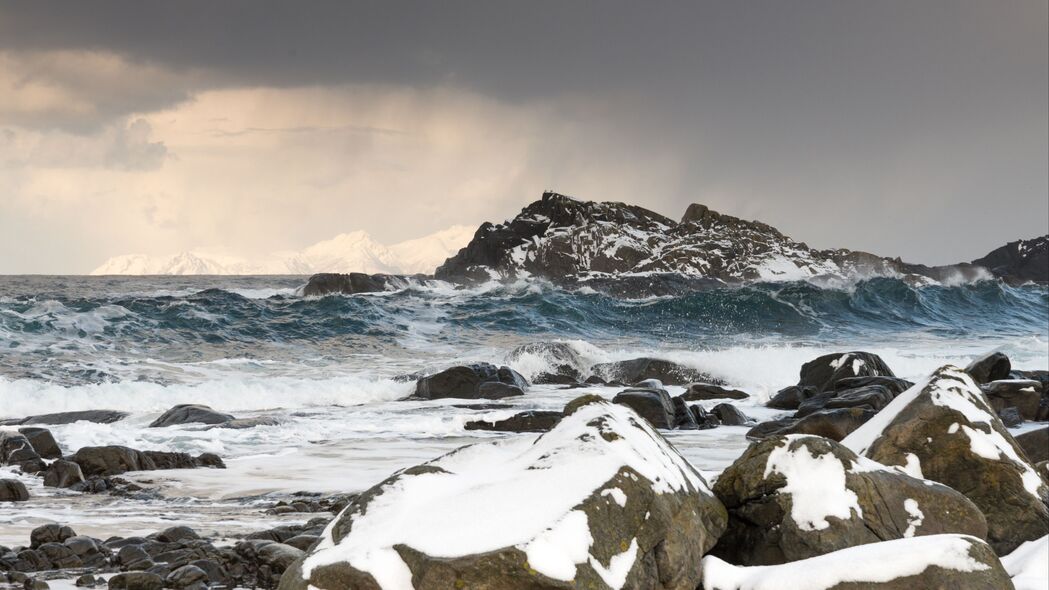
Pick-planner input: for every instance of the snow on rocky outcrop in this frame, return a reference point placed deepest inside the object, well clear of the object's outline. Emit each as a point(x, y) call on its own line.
point(350, 252)
point(938, 561)
point(944, 429)
point(568, 241)
point(601, 501)
point(1019, 261)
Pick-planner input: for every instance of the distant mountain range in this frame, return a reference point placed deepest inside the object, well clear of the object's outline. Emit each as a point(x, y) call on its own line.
point(351, 252)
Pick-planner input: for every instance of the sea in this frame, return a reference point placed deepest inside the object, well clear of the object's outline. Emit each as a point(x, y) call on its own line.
point(332, 372)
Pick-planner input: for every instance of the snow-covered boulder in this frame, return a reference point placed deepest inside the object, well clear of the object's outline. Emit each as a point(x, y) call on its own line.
point(952, 562)
point(794, 497)
point(601, 501)
point(1028, 565)
point(944, 429)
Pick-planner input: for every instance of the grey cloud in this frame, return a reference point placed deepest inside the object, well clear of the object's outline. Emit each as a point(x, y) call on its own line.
point(131, 148)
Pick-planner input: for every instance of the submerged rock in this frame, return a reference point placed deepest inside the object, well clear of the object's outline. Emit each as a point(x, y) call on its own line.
point(97, 416)
point(476, 381)
point(114, 460)
point(795, 497)
point(189, 414)
point(954, 562)
point(601, 500)
point(945, 430)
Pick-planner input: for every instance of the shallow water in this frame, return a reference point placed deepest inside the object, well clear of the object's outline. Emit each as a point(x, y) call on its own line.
point(325, 368)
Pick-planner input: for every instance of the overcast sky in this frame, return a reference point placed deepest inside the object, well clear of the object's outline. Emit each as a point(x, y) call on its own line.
point(913, 129)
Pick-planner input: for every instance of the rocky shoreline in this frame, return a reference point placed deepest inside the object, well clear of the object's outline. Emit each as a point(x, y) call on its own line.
point(867, 465)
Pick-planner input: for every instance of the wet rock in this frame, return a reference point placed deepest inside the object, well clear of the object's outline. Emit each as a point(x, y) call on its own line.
point(991, 367)
point(244, 423)
point(63, 474)
point(893, 384)
point(947, 431)
point(136, 581)
point(43, 442)
point(60, 556)
point(834, 424)
point(1035, 444)
point(530, 421)
point(97, 416)
point(566, 365)
point(88, 550)
point(952, 562)
point(704, 420)
point(12, 490)
point(730, 415)
point(1024, 395)
point(187, 577)
point(16, 450)
point(707, 391)
point(790, 398)
point(88, 581)
point(177, 533)
point(471, 382)
point(777, 515)
point(49, 533)
point(635, 370)
point(824, 372)
point(114, 460)
point(190, 414)
point(665, 527)
point(302, 542)
point(354, 282)
point(1010, 417)
point(769, 428)
point(654, 405)
point(871, 397)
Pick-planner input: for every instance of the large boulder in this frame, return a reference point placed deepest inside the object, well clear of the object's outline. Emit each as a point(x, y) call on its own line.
point(794, 497)
point(16, 450)
point(944, 429)
point(114, 460)
point(1035, 444)
point(354, 282)
point(834, 424)
point(189, 414)
point(652, 404)
point(939, 562)
point(990, 367)
point(12, 490)
point(641, 369)
point(600, 501)
point(43, 441)
point(63, 474)
point(476, 381)
point(824, 372)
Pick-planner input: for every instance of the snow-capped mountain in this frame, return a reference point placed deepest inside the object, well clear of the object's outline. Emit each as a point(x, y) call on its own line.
point(350, 252)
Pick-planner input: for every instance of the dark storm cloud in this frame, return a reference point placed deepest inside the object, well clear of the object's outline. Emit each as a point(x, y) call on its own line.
point(876, 125)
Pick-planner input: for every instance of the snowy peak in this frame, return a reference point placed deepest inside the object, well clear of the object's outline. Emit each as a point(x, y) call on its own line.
point(355, 251)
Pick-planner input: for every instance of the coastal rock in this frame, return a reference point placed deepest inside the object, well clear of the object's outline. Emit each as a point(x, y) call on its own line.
point(795, 497)
point(601, 500)
point(1020, 261)
point(1022, 394)
point(641, 369)
point(136, 581)
point(561, 359)
point(730, 415)
point(707, 391)
point(530, 421)
point(43, 442)
point(12, 490)
point(114, 460)
point(16, 450)
point(63, 474)
point(354, 282)
point(791, 397)
point(189, 414)
point(1035, 444)
point(654, 404)
point(870, 397)
point(186, 577)
point(954, 562)
point(471, 382)
point(49, 533)
point(823, 373)
point(770, 428)
point(945, 430)
point(96, 416)
point(990, 367)
point(834, 424)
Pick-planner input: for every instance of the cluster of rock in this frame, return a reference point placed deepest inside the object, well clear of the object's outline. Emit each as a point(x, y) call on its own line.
point(176, 558)
point(899, 504)
point(94, 469)
point(629, 251)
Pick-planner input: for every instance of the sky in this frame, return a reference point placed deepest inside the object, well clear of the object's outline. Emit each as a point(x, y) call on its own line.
point(912, 129)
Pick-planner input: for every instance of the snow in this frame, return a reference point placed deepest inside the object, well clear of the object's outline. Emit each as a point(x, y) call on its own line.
point(1028, 565)
point(816, 485)
point(616, 494)
point(915, 517)
point(873, 563)
point(349, 252)
point(618, 567)
point(521, 492)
